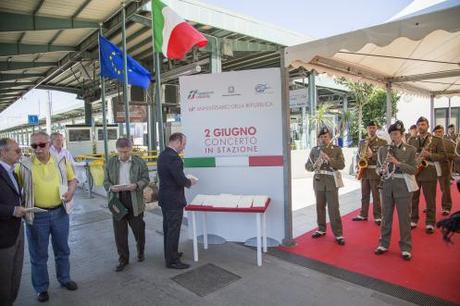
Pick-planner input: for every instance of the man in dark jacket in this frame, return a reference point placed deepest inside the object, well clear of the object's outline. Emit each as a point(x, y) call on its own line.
point(11, 229)
point(172, 197)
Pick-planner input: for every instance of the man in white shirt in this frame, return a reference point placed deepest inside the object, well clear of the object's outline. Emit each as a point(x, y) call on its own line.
point(57, 148)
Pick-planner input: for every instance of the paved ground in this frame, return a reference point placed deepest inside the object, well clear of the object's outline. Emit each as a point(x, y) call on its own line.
point(277, 282)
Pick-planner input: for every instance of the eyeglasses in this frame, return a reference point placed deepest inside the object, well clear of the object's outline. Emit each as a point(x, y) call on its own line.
point(36, 145)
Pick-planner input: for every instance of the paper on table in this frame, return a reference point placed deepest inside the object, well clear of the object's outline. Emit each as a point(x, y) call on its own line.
point(190, 176)
point(245, 201)
point(35, 209)
point(199, 199)
point(259, 201)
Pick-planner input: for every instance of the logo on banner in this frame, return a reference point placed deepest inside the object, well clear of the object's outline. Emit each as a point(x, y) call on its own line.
point(231, 91)
point(196, 94)
point(263, 88)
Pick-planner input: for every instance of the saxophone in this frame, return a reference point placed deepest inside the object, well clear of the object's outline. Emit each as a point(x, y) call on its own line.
point(363, 163)
point(421, 162)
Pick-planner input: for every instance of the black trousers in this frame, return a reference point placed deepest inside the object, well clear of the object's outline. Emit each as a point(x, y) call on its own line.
point(172, 221)
point(11, 260)
point(120, 229)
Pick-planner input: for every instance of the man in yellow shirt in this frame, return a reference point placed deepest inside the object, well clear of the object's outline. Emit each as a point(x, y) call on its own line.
point(48, 183)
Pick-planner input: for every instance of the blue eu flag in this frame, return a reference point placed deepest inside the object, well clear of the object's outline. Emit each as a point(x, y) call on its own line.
point(112, 65)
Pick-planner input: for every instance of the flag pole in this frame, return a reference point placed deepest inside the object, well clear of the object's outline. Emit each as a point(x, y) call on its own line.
point(159, 111)
point(125, 69)
point(104, 109)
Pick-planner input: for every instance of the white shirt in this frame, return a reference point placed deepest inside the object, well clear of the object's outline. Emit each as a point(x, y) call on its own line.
point(63, 153)
point(125, 167)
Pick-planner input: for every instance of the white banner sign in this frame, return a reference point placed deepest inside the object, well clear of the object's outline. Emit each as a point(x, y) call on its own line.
point(298, 97)
point(233, 125)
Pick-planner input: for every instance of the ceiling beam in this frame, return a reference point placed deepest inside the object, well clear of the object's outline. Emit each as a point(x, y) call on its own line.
point(14, 76)
point(6, 66)
point(426, 76)
point(12, 22)
point(72, 90)
point(9, 49)
point(7, 90)
point(15, 84)
point(446, 92)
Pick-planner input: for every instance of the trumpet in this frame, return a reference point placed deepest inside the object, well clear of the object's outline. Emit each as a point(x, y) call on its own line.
point(362, 163)
point(421, 162)
point(384, 169)
point(321, 160)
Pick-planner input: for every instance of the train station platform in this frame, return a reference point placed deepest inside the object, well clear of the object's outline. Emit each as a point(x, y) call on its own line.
point(225, 275)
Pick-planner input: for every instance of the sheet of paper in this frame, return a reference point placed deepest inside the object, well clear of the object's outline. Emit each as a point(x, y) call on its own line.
point(35, 209)
point(259, 201)
point(199, 199)
point(190, 176)
point(245, 201)
point(62, 190)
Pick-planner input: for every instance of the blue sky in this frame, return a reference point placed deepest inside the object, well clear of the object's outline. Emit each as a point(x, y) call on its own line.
point(317, 18)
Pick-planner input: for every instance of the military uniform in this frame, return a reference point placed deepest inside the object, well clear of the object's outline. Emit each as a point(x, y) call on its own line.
point(446, 177)
point(455, 161)
point(395, 193)
point(427, 178)
point(370, 180)
point(326, 190)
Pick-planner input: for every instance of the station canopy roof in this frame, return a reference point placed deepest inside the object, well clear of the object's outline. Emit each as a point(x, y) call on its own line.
point(417, 51)
point(52, 44)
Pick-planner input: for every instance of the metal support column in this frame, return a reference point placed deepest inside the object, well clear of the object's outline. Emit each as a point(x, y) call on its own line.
point(88, 113)
point(48, 114)
point(285, 111)
point(432, 119)
point(312, 96)
point(216, 55)
point(125, 70)
point(159, 110)
point(449, 115)
point(152, 122)
point(347, 126)
point(104, 111)
point(389, 112)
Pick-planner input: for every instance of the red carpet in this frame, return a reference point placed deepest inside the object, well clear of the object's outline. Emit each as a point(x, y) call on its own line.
point(434, 269)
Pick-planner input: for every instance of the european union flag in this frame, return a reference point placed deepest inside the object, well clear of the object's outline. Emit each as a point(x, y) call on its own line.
point(112, 65)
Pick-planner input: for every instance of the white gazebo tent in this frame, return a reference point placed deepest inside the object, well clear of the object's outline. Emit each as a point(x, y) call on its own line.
point(417, 53)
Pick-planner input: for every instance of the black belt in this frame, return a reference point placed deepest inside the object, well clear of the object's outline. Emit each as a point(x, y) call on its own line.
point(50, 208)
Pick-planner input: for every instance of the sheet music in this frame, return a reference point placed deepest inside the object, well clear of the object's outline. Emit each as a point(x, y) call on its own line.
point(259, 201)
point(245, 201)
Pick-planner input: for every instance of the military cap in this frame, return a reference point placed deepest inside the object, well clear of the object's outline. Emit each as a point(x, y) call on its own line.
point(397, 126)
point(323, 130)
point(413, 127)
point(371, 123)
point(438, 127)
point(422, 119)
point(451, 126)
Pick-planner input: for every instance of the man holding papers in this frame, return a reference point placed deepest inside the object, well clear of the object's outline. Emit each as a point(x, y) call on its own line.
point(172, 197)
point(126, 176)
point(48, 183)
point(11, 229)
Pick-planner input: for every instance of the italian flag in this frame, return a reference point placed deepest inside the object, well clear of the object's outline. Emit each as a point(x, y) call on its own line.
point(173, 36)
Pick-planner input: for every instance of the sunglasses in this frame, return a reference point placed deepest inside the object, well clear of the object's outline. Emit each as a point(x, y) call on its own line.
point(36, 145)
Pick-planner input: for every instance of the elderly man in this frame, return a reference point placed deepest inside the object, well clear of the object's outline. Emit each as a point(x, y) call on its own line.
point(57, 147)
point(49, 184)
point(126, 176)
point(172, 197)
point(11, 229)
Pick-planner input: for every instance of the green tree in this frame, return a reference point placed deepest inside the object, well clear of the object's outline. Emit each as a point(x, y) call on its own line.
point(373, 110)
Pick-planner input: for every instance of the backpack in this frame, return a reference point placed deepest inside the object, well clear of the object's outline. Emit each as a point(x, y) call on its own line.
point(450, 226)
